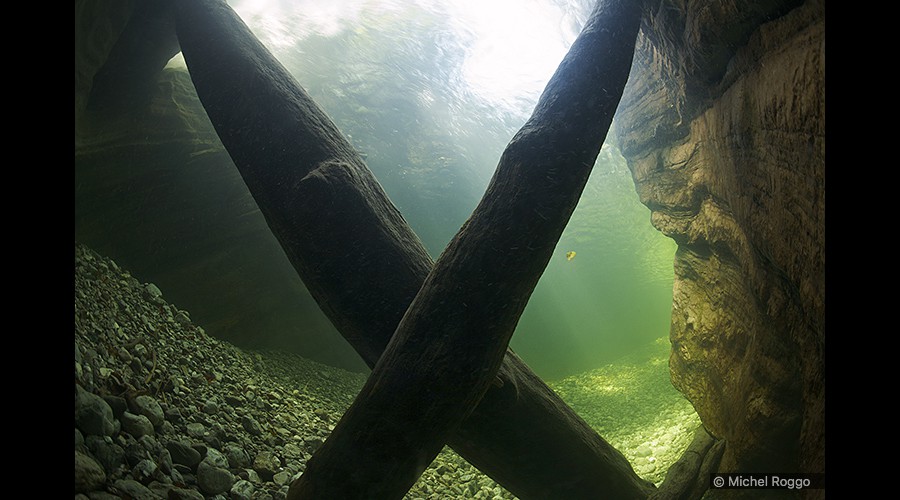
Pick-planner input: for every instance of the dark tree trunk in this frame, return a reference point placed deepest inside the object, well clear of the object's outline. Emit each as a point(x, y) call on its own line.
point(451, 342)
point(364, 265)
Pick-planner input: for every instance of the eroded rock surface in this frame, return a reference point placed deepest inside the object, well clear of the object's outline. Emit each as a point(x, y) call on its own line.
point(726, 143)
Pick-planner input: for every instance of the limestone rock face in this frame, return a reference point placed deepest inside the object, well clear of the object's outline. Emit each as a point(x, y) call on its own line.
point(723, 125)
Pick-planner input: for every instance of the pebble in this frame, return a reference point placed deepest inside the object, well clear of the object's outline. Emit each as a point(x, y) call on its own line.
point(209, 411)
point(182, 318)
point(102, 495)
point(89, 475)
point(234, 401)
point(251, 425)
point(313, 443)
point(281, 478)
point(242, 490)
point(211, 406)
point(196, 429)
point(166, 428)
point(183, 454)
point(213, 480)
point(134, 452)
point(109, 454)
point(292, 450)
point(173, 415)
point(266, 464)
point(238, 458)
point(165, 461)
point(151, 291)
point(118, 405)
point(185, 494)
point(216, 458)
point(149, 407)
point(252, 476)
point(144, 471)
point(92, 414)
point(136, 425)
point(129, 488)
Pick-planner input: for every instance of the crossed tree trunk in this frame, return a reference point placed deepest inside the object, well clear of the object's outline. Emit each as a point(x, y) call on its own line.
point(436, 334)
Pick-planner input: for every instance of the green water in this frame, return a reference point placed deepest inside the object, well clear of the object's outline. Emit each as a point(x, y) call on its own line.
point(632, 404)
point(398, 78)
point(614, 295)
point(416, 88)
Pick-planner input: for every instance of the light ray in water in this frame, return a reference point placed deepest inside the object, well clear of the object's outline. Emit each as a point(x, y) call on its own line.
point(512, 46)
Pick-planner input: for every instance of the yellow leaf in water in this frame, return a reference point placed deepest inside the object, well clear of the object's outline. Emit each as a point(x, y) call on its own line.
point(570, 255)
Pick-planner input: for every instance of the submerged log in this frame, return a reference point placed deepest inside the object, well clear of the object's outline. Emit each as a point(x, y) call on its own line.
point(363, 264)
point(451, 342)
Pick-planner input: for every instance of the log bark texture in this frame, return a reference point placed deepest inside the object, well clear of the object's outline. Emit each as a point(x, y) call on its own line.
point(364, 265)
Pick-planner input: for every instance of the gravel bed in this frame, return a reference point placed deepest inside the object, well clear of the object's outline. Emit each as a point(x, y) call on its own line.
point(163, 410)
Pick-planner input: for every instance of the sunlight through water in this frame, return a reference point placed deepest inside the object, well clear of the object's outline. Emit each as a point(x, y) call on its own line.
point(430, 92)
point(512, 47)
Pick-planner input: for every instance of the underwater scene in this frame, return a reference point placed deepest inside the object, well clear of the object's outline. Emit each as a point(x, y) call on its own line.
point(172, 394)
point(204, 367)
point(430, 93)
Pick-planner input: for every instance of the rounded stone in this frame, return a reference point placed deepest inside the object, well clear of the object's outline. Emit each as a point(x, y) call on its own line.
point(216, 458)
point(150, 408)
point(251, 425)
point(184, 494)
point(213, 480)
point(242, 490)
point(292, 450)
point(183, 454)
point(136, 425)
point(89, 475)
point(196, 429)
point(129, 488)
point(281, 478)
point(92, 414)
point(166, 428)
point(211, 406)
point(79, 439)
point(152, 291)
point(643, 450)
point(266, 464)
point(118, 405)
point(238, 458)
point(183, 318)
point(109, 454)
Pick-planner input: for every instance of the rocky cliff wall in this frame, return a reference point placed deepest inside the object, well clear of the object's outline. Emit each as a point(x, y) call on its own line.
point(723, 125)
